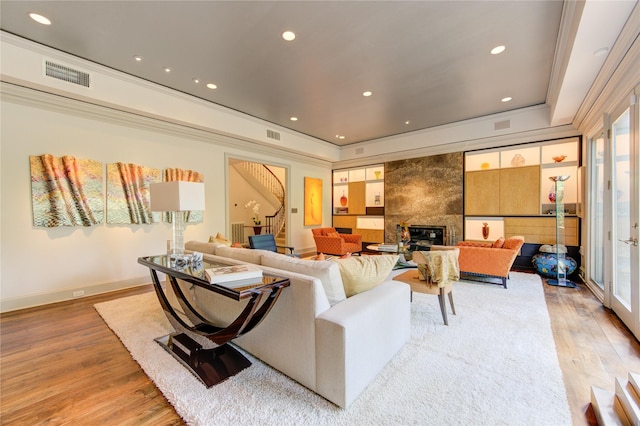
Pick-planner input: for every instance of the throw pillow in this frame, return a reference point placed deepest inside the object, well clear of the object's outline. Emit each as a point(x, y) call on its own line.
point(362, 273)
point(512, 243)
point(324, 270)
point(498, 243)
point(333, 235)
point(219, 238)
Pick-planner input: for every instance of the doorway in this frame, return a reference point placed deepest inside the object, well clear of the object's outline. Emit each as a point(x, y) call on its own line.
point(614, 213)
point(256, 195)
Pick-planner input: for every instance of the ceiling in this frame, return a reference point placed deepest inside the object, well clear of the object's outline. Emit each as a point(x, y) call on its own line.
point(426, 63)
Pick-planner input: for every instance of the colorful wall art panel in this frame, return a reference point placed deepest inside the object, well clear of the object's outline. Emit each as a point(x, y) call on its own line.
point(128, 193)
point(66, 191)
point(312, 201)
point(170, 175)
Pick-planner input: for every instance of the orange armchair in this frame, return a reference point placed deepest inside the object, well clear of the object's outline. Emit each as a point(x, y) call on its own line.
point(329, 241)
point(489, 260)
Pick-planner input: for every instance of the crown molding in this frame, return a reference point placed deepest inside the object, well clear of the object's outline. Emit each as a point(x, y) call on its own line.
point(569, 24)
point(14, 93)
point(617, 78)
point(537, 135)
point(22, 65)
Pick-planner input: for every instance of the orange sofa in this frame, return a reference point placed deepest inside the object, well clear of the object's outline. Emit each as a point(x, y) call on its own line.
point(329, 241)
point(493, 260)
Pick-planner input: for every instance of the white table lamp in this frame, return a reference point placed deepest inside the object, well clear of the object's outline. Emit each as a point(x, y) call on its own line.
point(177, 197)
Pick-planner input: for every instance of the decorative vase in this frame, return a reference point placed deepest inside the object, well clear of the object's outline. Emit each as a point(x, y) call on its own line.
point(552, 193)
point(485, 230)
point(377, 173)
point(517, 160)
point(343, 200)
point(257, 230)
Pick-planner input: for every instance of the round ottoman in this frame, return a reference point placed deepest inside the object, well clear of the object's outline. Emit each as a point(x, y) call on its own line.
point(546, 264)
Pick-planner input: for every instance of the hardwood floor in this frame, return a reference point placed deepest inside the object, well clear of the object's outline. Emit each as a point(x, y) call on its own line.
point(593, 346)
point(60, 364)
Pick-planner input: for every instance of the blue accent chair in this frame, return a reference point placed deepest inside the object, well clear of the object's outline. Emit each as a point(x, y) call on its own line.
point(268, 242)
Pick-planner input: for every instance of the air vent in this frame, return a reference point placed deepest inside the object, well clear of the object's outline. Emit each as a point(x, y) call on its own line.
point(501, 125)
point(272, 134)
point(359, 151)
point(64, 73)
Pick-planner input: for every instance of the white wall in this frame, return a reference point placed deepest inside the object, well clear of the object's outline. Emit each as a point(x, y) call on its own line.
point(42, 265)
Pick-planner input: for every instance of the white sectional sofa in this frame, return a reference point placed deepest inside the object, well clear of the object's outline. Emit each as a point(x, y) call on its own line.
point(314, 334)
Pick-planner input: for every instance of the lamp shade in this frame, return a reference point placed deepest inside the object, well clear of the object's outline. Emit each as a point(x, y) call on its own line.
point(177, 196)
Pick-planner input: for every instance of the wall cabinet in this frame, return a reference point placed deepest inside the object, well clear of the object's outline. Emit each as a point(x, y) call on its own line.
point(512, 191)
point(510, 186)
point(358, 201)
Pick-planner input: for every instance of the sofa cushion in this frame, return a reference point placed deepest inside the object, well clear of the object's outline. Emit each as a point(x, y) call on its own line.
point(498, 243)
point(362, 273)
point(239, 253)
point(325, 270)
point(205, 248)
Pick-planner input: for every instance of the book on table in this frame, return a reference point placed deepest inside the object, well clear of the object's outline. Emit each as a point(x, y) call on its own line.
point(234, 275)
point(388, 247)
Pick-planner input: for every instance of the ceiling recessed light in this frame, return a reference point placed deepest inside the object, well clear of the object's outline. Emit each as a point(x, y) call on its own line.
point(601, 52)
point(167, 69)
point(507, 99)
point(367, 93)
point(497, 50)
point(40, 19)
point(294, 119)
point(196, 80)
point(340, 137)
point(138, 58)
point(212, 86)
point(289, 35)
point(407, 122)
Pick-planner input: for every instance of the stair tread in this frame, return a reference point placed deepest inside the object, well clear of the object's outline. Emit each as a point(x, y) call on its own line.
point(634, 379)
point(628, 399)
point(607, 408)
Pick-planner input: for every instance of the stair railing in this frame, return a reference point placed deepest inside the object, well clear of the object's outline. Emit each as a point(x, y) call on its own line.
point(265, 177)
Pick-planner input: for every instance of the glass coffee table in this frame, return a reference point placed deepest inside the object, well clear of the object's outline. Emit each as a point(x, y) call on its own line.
point(199, 344)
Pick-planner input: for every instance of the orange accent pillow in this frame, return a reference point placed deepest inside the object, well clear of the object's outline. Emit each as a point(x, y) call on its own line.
point(511, 243)
point(499, 243)
point(333, 235)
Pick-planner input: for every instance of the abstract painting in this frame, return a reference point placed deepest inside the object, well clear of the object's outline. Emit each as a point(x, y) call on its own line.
point(66, 191)
point(312, 201)
point(128, 193)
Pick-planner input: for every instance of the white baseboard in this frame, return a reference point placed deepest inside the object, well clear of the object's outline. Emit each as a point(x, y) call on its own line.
point(30, 301)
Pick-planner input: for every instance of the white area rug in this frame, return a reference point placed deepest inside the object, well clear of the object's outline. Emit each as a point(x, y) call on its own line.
point(495, 364)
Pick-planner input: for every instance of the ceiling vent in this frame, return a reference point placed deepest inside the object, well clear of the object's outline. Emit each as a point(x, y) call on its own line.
point(272, 134)
point(501, 125)
point(64, 73)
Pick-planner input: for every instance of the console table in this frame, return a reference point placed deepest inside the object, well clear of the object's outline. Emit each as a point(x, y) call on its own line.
point(198, 343)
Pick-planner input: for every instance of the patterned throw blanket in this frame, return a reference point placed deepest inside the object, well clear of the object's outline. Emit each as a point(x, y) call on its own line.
point(437, 267)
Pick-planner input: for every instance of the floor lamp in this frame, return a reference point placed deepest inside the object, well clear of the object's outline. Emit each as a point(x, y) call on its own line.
point(177, 197)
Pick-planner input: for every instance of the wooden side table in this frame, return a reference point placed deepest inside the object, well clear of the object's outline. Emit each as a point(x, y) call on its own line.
point(412, 278)
point(202, 346)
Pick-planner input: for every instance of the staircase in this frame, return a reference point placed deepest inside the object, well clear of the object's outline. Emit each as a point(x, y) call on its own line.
point(264, 181)
point(621, 407)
